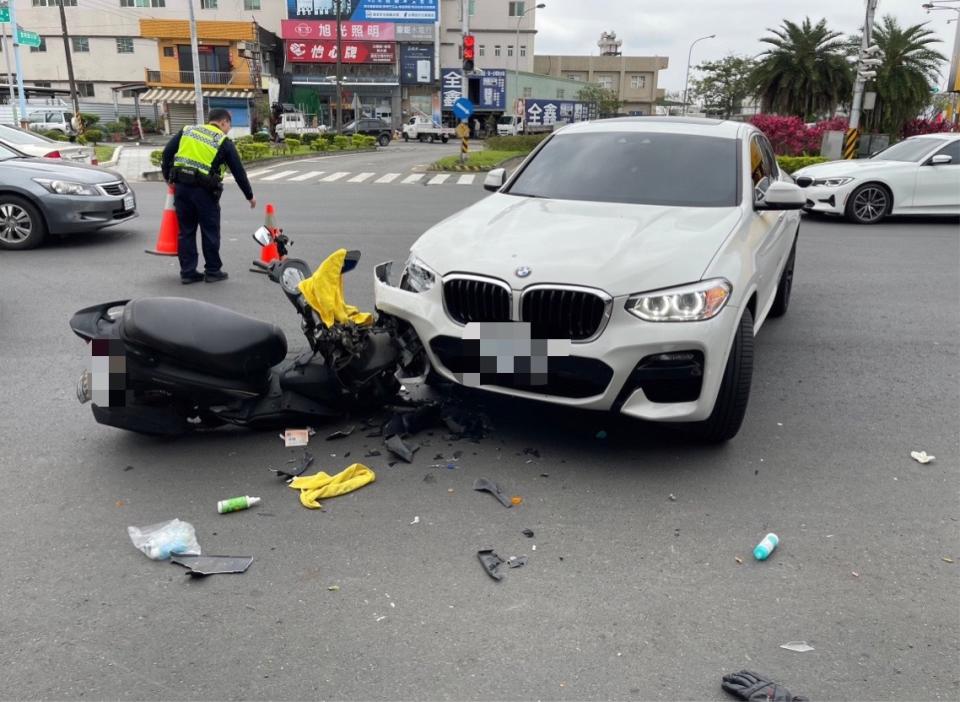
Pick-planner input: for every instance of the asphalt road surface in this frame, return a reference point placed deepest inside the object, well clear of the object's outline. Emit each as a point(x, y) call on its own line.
point(629, 593)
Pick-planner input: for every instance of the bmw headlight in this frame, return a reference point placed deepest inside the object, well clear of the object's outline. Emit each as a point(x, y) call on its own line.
point(416, 277)
point(688, 303)
point(832, 182)
point(66, 187)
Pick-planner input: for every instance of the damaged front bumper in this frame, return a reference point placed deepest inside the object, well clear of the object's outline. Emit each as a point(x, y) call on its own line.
point(654, 371)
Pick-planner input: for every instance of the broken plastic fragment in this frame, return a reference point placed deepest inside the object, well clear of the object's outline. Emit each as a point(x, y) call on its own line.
point(334, 588)
point(290, 473)
point(398, 448)
point(601, 434)
point(491, 563)
point(342, 434)
point(797, 646)
point(673, 498)
point(213, 565)
point(429, 478)
point(516, 500)
point(947, 559)
point(416, 520)
point(921, 457)
point(516, 561)
point(738, 560)
point(484, 485)
point(528, 533)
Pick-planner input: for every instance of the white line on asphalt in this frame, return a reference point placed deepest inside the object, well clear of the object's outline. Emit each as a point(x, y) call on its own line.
point(411, 179)
point(439, 179)
point(307, 176)
point(262, 171)
point(281, 174)
point(361, 177)
point(389, 178)
point(335, 176)
point(466, 180)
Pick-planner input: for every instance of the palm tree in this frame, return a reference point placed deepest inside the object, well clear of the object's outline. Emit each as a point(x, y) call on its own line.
point(805, 73)
point(910, 66)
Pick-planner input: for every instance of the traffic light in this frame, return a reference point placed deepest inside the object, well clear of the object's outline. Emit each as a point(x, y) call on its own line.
point(469, 51)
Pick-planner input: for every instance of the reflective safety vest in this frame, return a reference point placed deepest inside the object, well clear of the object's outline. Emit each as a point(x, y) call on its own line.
point(198, 149)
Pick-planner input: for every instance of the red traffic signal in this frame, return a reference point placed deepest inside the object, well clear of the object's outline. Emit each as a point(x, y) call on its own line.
point(469, 50)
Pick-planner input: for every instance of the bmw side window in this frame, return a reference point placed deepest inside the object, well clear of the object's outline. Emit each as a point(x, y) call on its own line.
point(771, 160)
point(953, 151)
point(759, 169)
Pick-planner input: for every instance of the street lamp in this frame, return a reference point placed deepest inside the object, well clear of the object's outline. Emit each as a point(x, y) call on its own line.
point(516, 48)
point(686, 80)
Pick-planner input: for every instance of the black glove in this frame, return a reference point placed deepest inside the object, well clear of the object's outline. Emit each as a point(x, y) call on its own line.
point(752, 687)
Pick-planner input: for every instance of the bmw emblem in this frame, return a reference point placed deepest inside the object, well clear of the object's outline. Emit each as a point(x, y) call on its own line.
point(524, 271)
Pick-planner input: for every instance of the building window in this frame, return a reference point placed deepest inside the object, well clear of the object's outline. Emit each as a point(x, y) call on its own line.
point(638, 82)
point(515, 9)
point(251, 4)
point(169, 52)
point(510, 50)
point(561, 93)
point(574, 76)
point(84, 88)
point(54, 3)
point(40, 49)
point(496, 50)
point(41, 83)
point(124, 45)
point(523, 50)
point(128, 93)
point(208, 4)
point(606, 82)
point(483, 50)
point(143, 3)
point(528, 92)
point(81, 45)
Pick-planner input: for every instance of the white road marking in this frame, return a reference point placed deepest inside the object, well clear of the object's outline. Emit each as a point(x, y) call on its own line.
point(389, 178)
point(255, 174)
point(411, 179)
point(307, 176)
point(281, 174)
point(361, 177)
point(438, 179)
point(335, 176)
point(466, 180)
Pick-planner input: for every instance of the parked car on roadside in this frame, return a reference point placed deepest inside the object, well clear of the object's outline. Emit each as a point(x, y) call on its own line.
point(625, 266)
point(917, 176)
point(37, 145)
point(39, 196)
point(370, 127)
point(52, 120)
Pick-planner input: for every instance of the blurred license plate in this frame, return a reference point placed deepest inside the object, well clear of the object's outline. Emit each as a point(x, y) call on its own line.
point(128, 202)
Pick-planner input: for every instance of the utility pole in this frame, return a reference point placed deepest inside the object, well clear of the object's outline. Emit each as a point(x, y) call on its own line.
point(339, 67)
point(195, 51)
point(851, 141)
point(16, 60)
point(6, 56)
point(73, 83)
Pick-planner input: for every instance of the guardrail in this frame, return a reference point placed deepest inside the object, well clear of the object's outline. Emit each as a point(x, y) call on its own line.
point(186, 78)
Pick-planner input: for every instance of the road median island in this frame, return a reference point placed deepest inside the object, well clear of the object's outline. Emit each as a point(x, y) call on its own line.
point(477, 161)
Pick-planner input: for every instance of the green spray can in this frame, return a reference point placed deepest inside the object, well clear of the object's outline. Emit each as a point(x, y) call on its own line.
point(235, 504)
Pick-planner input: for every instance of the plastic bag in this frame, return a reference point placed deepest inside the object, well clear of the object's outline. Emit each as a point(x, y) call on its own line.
point(160, 541)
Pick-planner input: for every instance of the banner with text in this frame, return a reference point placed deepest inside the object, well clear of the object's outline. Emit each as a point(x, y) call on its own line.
point(493, 89)
point(547, 112)
point(314, 51)
point(412, 11)
point(416, 64)
point(452, 86)
point(356, 31)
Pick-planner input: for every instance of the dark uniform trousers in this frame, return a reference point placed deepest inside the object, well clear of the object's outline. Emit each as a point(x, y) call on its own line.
point(198, 205)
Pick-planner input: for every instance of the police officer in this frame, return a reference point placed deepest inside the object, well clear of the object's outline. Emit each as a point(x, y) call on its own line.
point(195, 160)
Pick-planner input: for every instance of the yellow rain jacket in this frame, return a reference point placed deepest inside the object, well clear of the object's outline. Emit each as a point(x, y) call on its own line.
point(317, 487)
point(324, 291)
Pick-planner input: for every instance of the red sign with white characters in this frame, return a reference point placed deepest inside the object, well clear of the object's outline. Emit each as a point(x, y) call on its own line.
point(353, 51)
point(354, 31)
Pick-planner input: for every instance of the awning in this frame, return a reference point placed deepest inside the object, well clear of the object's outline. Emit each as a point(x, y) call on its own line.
point(187, 97)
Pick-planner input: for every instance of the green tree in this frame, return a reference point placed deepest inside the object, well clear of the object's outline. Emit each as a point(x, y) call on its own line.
point(805, 72)
point(608, 102)
point(903, 83)
point(724, 84)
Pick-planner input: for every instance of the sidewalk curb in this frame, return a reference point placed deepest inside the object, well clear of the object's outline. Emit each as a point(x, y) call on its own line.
point(114, 160)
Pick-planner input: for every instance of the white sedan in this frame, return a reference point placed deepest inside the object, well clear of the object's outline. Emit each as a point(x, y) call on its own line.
point(624, 267)
point(917, 176)
point(39, 146)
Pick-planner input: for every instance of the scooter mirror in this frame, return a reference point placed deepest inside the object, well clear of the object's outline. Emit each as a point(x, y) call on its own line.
point(263, 236)
point(350, 262)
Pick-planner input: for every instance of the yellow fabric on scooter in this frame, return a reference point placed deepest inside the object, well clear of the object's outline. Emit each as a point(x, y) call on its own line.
point(316, 487)
point(324, 292)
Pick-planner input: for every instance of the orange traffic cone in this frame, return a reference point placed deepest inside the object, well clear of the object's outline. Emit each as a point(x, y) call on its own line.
point(270, 253)
point(169, 230)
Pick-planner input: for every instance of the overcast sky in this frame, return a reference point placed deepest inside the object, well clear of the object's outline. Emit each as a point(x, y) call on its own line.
point(666, 27)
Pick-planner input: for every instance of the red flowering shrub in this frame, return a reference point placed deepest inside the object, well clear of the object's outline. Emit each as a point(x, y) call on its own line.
point(927, 126)
point(791, 137)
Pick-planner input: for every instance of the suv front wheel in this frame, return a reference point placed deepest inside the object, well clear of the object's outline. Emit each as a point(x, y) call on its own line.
point(384, 140)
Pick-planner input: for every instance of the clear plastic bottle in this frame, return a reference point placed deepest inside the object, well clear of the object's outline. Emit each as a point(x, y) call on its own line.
point(235, 504)
point(763, 549)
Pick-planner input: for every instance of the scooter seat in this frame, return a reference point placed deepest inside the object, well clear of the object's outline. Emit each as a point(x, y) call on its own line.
point(202, 336)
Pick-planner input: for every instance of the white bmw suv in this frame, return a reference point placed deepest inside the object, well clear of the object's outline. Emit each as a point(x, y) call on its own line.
point(625, 266)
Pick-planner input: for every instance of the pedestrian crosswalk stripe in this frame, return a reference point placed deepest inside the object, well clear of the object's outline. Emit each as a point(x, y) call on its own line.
point(307, 176)
point(411, 179)
point(389, 178)
point(281, 174)
point(335, 176)
point(361, 177)
point(438, 179)
point(466, 180)
point(255, 174)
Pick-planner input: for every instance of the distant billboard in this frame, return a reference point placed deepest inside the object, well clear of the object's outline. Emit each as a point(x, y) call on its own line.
point(313, 51)
point(409, 11)
point(416, 64)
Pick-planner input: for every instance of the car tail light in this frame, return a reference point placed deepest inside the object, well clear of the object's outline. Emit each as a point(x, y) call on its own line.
point(53, 154)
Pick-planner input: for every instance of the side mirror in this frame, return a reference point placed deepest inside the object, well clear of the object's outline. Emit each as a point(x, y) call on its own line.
point(941, 160)
point(350, 262)
point(782, 196)
point(495, 179)
point(804, 181)
point(263, 236)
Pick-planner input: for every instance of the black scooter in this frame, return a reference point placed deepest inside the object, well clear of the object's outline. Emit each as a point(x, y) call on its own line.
point(166, 366)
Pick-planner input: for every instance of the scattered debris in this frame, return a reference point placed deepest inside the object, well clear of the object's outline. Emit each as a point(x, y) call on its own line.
point(531, 452)
point(738, 560)
point(673, 498)
point(160, 541)
point(484, 485)
point(763, 549)
point(334, 588)
point(380, 619)
point(516, 500)
point(922, 457)
point(750, 686)
point(533, 548)
point(316, 487)
point(797, 646)
point(127, 468)
point(295, 437)
point(290, 473)
point(342, 434)
point(199, 566)
point(516, 561)
point(854, 573)
point(544, 475)
point(528, 533)
point(119, 503)
point(429, 478)
point(371, 454)
point(235, 504)
point(601, 434)
point(491, 563)
point(398, 448)
point(416, 520)
point(947, 559)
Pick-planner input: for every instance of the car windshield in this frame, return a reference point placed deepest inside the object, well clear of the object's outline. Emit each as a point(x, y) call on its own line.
point(636, 168)
point(7, 153)
point(506, 119)
point(19, 136)
point(910, 150)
